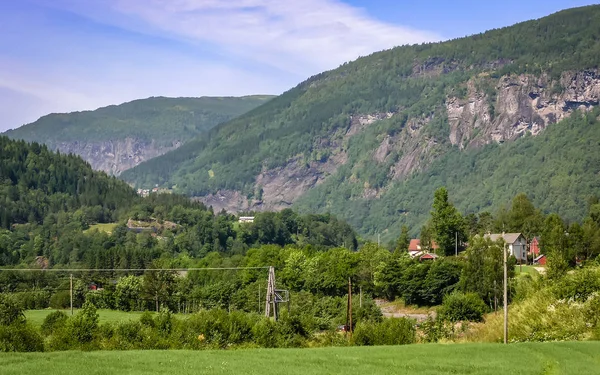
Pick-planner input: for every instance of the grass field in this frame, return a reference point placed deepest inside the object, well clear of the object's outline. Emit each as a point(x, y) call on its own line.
point(108, 228)
point(526, 269)
point(36, 317)
point(530, 358)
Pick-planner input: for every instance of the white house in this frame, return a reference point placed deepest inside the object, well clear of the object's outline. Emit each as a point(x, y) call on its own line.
point(246, 219)
point(516, 243)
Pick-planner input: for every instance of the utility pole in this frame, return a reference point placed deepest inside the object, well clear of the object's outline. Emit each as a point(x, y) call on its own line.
point(455, 243)
point(71, 290)
point(349, 309)
point(505, 293)
point(360, 300)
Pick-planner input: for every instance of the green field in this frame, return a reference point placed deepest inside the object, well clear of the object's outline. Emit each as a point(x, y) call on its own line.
point(107, 228)
point(36, 317)
point(530, 358)
point(526, 269)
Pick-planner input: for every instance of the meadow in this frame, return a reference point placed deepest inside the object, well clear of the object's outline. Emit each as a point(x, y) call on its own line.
point(36, 317)
point(525, 358)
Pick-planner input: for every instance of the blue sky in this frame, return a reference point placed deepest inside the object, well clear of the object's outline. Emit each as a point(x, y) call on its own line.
point(67, 55)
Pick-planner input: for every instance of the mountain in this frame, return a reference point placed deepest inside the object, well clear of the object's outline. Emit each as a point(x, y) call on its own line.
point(489, 115)
point(118, 137)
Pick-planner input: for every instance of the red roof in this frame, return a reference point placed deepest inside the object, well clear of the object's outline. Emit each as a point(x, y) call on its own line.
point(415, 245)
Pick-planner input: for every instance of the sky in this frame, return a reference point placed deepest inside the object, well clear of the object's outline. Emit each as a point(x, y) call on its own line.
point(70, 55)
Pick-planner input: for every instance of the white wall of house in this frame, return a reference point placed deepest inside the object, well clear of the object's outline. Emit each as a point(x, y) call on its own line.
point(518, 249)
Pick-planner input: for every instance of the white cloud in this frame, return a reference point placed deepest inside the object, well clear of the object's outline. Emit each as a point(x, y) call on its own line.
point(302, 37)
point(139, 48)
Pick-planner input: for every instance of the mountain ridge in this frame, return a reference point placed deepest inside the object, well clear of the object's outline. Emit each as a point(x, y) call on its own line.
point(117, 137)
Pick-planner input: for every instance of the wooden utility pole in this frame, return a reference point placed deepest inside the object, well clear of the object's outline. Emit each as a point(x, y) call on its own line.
point(349, 309)
point(455, 243)
point(71, 290)
point(505, 293)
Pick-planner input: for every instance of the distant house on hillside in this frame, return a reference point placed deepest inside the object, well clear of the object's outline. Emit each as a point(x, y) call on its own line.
point(517, 245)
point(246, 219)
point(415, 250)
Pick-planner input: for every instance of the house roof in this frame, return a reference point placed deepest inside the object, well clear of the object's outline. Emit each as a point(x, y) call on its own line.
point(428, 256)
point(414, 245)
point(539, 257)
point(508, 237)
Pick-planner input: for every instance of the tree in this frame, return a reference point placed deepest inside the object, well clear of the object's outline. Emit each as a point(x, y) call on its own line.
point(402, 242)
point(555, 245)
point(483, 272)
point(448, 224)
point(127, 292)
point(159, 285)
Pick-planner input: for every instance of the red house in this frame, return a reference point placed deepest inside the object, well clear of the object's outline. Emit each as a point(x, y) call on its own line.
point(534, 246)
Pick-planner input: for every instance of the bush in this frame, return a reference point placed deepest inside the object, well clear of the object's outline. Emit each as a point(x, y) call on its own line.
point(60, 300)
point(33, 300)
point(393, 331)
point(462, 306)
point(10, 310)
point(54, 321)
point(20, 337)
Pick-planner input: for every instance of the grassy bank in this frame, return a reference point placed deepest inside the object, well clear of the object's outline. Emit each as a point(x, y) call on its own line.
point(528, 358)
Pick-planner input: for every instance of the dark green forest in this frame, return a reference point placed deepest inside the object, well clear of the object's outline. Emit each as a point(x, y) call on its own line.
point(157, 118)
point(414, 82)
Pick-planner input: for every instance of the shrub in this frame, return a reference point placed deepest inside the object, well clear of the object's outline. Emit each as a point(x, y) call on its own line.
point(60, 300)
point(54, 321)
point(10, 310)
point(393, 331)
point(33, 300)
point(84, 324)
point(147, 319)
point(462, 306)
point(20, 337)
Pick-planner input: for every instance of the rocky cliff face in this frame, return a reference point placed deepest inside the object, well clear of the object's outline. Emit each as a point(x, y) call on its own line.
point(492, 110)
point(522, 104)
point(116, 156)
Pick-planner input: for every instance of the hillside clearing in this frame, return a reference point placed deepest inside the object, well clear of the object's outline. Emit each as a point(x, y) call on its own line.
point(107, 228)
point(529, 358)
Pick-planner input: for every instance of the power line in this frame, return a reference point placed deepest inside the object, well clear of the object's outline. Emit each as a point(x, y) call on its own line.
point(129, 269)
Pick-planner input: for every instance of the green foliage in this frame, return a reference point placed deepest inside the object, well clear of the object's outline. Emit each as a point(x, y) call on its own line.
point(448, 224)
point(35, 182)
point(483, 271)
point(418, 283)
point(54, 321)
point(462, 306)
point(392, 331)
point(10, 311)
point(402, 242)
point(20, 337)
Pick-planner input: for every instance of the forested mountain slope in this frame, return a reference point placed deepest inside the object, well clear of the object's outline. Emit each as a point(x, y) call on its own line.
point(118, 137)
point(372, 139)
point(35, 182)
